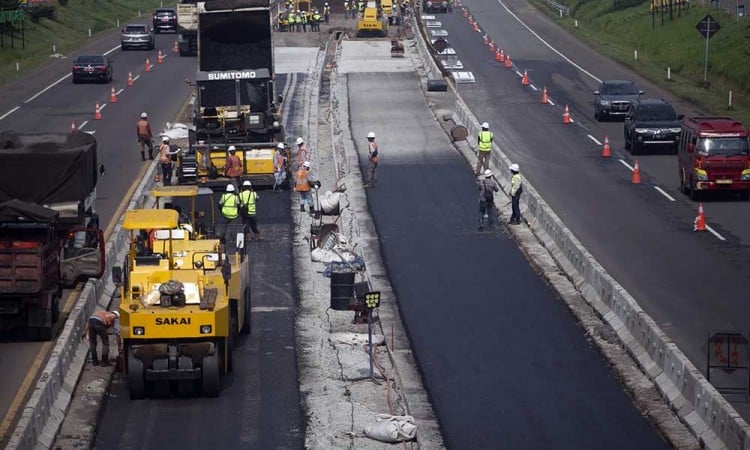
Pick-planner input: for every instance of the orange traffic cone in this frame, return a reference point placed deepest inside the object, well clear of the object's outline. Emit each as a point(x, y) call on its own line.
point(606, 151)
point(159, 57)
point(97, 112)
point(486, 40)
point(566, 115)
point(502, 56)
point(148, 66)
point(700, 220)
point(471, 21)
point(465, 12)
point(112, 96)
point(492, 46)
point(525, 79)
point(176, 47)
point(476, 27)
point(130, 79)
point(497, 55)
point(72, 127)
point(636, 173)
point(508, 64)
point(545, 100)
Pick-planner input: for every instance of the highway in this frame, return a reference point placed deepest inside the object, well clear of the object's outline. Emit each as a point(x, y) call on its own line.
point(688, 282)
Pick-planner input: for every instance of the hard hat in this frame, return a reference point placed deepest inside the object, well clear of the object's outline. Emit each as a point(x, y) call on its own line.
point(514, 167)
point(143, 115)
point(230, 187)
point(371, 135)
point(306, 164)
point(487, 173)
point(485, 125)
point(116, 313)
point(232, 148)
point(300, 141)
point(247, 183)
point(165, 138)
point(280, 146)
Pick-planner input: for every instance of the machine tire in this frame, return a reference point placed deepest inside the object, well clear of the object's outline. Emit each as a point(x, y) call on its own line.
point(247, 325)
point(136, 380)
point(745, 195)
point(211, 381)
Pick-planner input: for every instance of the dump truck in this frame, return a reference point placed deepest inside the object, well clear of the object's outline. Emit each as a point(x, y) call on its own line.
point(235, 96)
point(49, 231)
point(187, 27)
point(184, 298)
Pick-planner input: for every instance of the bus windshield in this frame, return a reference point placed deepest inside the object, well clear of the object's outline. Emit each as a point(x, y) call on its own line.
point(714, 146)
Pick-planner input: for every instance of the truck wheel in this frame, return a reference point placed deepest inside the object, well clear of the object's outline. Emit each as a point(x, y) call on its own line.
point(247, 325)
point(136, 381)
point(211, 380)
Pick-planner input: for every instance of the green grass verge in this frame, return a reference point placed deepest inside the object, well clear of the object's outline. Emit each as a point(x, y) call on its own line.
point(676, 44)
point(68, 30)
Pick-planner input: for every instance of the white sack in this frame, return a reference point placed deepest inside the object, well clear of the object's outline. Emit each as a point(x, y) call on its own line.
point(392, 429)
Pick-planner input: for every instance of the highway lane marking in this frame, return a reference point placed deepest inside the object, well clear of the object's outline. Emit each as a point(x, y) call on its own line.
point(550, 102)
point(102, 106)
point(548, 44)
point(722, 238)
point(664, 193)
point(594, 139)
point(83, 124)
point(120, 91)
point(136, 77)
point(125, 201)
point(627, 165)
point(533, 87)
point(519, 73)
point(10, 112)
point(47, 88)
point(111, 50)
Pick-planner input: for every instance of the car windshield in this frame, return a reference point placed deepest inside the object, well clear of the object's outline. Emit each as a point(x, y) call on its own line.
point(164, 13)
point(723, 146)
point(90, 60)
point(653, 113)
point(623, 88)
point(135, 29)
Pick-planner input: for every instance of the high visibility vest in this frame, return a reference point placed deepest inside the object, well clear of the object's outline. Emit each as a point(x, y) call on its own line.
point(326, 10)
point(297, 19)
point(106, 317)
point(485, 141)
point(361, 6)
point(346, 6)
point(144, 129)
point(516, 184)
point(229, 205)
point(304, 17)
point(316, 17)
point(301, 185)
point(163, 156)
point(247, 200)
point(279, 163)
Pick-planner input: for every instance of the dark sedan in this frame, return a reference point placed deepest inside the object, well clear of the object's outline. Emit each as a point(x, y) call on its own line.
point(613, 98)
point(165, 20)
point(92, 68)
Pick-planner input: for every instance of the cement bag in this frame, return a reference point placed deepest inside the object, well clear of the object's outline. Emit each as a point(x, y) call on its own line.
point(356, 338)
point(175, 131)
point(329, 202)
point(329, 256)
point(392, 429)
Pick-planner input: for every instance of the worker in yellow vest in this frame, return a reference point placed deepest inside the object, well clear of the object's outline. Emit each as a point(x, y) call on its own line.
point(230, 207)
point(346, 9)
point(248, 206)
point(484, 148)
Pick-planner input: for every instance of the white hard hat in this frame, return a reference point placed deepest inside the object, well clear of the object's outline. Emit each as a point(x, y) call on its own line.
point(485, 125)
point(488, 173)
point(300, 141)
point(230, 187)
point(143, 115)
point(306, 164)
point(116, 313)
point(514, 167)
point(280, 146)
point(165, 138)
point(232, 148)
point(247, 183)
point(371, 134)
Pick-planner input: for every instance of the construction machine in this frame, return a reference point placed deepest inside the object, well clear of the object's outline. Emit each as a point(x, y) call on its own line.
point(185, 296)
point(373, 22)
point(187, 27)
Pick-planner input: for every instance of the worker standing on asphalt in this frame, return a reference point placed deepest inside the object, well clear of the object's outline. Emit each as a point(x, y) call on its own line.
point(516, 188)
point(484, 148)
point(291, 19)
point(302, 185)
point(165, 160)
point(372, 158)
point(302, 155)
point(346, 9)
point(315, 23)
point(487, 188)
point(145, 137)
point(248, 205)
point(326, 11)
point(230, 207)
point(99, 324)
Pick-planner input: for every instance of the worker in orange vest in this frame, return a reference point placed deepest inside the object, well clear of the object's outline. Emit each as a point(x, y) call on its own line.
point(302, 155)
point(99, 324)
point(303, 185)
point(233, 164)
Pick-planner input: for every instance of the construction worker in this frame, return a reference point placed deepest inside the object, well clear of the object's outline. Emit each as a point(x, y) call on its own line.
point(484, 148)
point(145, 137)
point(346, 9)
point(302, 155)
point(372, 158)
point(303, 186)
point(280, 164)
point(516, 188)
point(305, 20)
point(298, 20)
point(290, 20)
point(230, 207)
point(99, 324)
point(233, 164)
point(315, 20)
point(487, 188)
point(248, 202)
point(166, 152)
point(361, 8)
point(326, 11)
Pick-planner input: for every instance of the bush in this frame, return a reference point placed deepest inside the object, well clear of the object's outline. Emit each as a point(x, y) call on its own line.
point(42, 11)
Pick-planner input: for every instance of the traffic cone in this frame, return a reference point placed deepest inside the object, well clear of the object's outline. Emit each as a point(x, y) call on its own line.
point(476, 27)
point(525, 79)
point(72, 127)
point(486, 40)
point(502, 56)
point(492, 46)
point(97, 112)
point(700, 220)
point(159, 57)
point(176, 47)
point(112, 96)
point(497, 55)
point(566, 115)
point(148, 66)
point(606, 151)
point(545, 100)
point(471, 21)
point(130, 79)
point(508, 64)
point(636, 173)
point(465, 12)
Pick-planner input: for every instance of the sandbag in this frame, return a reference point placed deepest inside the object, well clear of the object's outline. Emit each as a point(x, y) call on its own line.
point(392, 429)
point(329, 256)
point(330, 202)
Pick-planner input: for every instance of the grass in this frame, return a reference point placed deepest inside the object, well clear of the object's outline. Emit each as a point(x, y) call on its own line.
point(675, 44)
point(69, 30)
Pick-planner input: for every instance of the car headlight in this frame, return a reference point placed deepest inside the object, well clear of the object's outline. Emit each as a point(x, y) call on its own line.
point(205, 329)
point(701, 175)
point(745, 175)
point(641, 130)
point(675, 130)
point(139, 331)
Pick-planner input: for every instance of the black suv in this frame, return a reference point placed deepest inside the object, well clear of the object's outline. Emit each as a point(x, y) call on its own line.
point(652, 122)
point(613, 98)
point(165, 20)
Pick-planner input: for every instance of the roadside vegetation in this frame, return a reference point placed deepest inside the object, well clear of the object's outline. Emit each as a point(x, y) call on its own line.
point(617, 28)
point(64, 25)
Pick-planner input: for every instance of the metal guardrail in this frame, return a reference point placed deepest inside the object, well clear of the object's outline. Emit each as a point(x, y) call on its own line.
point(561, 8)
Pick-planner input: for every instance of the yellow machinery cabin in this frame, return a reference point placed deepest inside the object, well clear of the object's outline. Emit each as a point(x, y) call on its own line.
point(259, 163)
point(372, 23)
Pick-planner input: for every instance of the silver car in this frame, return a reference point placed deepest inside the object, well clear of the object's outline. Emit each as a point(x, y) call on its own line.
point(137, 36)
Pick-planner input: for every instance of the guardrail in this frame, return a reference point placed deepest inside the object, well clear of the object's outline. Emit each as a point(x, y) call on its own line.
point(562, 9)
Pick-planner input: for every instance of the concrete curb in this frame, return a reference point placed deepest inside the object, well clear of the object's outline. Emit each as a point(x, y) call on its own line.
point(711, 419)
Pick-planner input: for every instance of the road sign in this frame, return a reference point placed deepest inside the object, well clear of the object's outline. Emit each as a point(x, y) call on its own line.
point(708, 26)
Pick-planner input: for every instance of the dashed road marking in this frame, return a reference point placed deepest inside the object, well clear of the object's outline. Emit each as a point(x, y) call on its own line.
point(712, 231)
point(10, 112)
point(594, 139)
point(83, 124)
point(664, 193)
point(627, 165)
point(47, 88)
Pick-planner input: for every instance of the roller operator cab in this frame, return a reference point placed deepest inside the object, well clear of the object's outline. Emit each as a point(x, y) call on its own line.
point(373, 22)
point(184, 300)
point(714, 155)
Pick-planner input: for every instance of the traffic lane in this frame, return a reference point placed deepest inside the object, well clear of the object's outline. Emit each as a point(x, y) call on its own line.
point(259, 405)
point(486, 329)
point(622, 225)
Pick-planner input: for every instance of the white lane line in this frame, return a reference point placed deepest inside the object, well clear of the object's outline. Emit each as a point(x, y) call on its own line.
point(519, 73)
point(627, 165)
point(547, 44)
point(722, 238)
point(594, 139)
point(664, 193)
point(111, 50)
point(533, 87)
point(102, 106)
point(10, 112)
point(47, 88)
point(83, 124)
point(549, 100)
point(136, 77)
point(120, 91)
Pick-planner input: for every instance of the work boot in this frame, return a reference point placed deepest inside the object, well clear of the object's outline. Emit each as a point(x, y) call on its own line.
point(94, 361)
point(143, 156)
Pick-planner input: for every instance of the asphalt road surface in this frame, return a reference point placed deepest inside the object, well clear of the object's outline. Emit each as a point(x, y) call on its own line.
point(690, 283)
point(505, 363)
